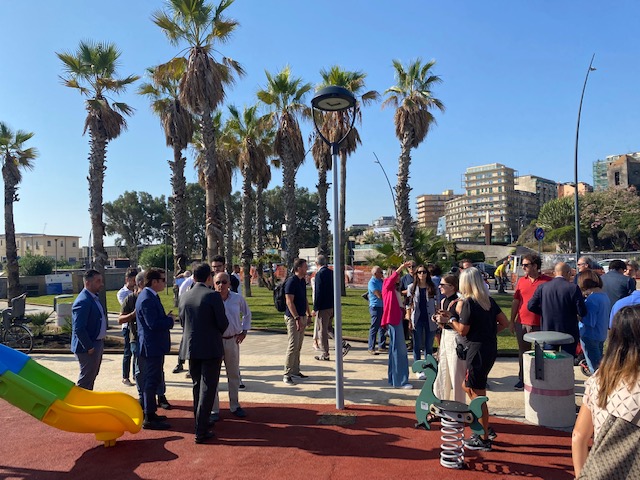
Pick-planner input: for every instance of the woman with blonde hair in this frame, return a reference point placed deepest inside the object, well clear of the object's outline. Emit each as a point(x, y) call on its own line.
point(610, 409)
point(479, 321)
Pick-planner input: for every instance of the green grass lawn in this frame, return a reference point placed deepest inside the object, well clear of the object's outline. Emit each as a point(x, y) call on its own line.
point(355, 312)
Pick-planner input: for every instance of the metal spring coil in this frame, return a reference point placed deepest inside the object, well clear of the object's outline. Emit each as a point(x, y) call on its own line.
point(452, 446)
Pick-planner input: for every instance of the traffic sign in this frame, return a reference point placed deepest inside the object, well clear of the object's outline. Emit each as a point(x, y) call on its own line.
point(539, 234)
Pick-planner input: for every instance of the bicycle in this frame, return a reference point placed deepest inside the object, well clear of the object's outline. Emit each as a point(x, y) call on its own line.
point(12, 331)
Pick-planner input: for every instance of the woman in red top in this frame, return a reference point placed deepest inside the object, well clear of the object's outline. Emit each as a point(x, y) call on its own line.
point(392, 314)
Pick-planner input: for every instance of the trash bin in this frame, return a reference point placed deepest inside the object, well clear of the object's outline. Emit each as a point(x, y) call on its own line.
point(63, 310)
point(549, 394)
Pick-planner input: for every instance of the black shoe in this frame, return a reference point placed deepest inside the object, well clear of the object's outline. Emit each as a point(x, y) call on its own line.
point(300, 375)
point(214, 417)
point(345, 349)
point(155, 425)
point(239, 412)
point(321, 358)
point(491, 434)
point(156, 418)
point(179, 368)
point(519, 385)
point(188, 375)
point(241, 386)
point(163, 402)
point(203, 438)
point(475, 442)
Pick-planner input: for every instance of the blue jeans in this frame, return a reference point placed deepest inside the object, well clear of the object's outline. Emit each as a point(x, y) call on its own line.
point(593, 350)
point(398, 362)
point(376, 331)
point(126, 358)
point(422, 337)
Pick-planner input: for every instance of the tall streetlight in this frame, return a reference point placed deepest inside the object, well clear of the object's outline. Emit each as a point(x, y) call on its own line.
point(575, 162)
point(56, 261)
point(336, 99)
point(393, 196)
point(165, 227)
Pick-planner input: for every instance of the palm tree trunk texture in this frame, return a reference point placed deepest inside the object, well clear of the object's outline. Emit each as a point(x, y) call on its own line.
point(247, 254)
point(13, 271)
point(343, 210)
point(289, 194)
point(260, 221)
point(228, 239)
point(404, 222)
point(213, 230)
point(323, 212)
point(178, 199)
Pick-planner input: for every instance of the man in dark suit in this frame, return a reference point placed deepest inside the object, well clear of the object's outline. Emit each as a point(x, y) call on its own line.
point(204, 321)
point(89, 327)
point(323, 305)
point(154, 342)
point(560, 302)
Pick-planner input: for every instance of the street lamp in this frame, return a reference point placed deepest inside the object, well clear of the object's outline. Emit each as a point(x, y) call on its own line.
point(336, 99)
point(575, 163)
point(165, 226)
point(56, 261)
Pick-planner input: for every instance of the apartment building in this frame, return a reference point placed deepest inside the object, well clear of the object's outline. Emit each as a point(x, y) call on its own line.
point(62, 247)
point(431, 207)
point(568, 189)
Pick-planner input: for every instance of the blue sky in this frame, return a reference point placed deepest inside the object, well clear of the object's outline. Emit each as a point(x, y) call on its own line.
point(512, 75)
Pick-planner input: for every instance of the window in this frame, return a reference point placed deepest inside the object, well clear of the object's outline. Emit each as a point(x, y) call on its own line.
point(73, 244)
point(616, 178)
point(48, 243)
point(61, 243)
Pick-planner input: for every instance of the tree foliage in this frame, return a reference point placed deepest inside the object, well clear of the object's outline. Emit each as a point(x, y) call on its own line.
point(155, 256)
point(36, 265)
point(306, 204)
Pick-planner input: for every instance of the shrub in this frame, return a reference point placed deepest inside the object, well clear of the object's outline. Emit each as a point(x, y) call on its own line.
point(36, 265)
point(154, 257)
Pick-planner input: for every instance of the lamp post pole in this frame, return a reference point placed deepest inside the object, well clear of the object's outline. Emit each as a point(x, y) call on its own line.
point(56, 261)
point(165, 226)
point(336, 99)
point(575, 164)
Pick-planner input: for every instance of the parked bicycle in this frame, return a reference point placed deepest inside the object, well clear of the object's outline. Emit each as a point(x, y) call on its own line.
point(13, 332)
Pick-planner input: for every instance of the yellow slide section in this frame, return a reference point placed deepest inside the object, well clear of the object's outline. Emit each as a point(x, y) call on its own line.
point(107, 414)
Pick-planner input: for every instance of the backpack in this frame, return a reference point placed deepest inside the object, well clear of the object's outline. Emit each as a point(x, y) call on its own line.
point(279, 300)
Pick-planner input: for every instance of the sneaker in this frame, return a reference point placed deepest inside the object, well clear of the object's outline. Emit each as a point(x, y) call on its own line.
point(492, 434)
point(241, 386)
point(519, 385)
point(383, 349)
point(239, 412)
point(321, 358)
point(345, 348)
point(179, 368)
point(127, 382)
point(421, 375)
point(288, 380)
point(214, 417)
point(372, 352)
point(475, 442)
point(407, 386)
point(187, 375)
point(300, 375)
point(163, 402)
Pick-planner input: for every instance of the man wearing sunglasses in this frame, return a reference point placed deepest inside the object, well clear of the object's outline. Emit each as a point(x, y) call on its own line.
point(239, 317)
point(524, 321)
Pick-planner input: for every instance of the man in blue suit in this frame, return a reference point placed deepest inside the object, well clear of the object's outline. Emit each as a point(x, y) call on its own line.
point(89, 327)
point(154, 342)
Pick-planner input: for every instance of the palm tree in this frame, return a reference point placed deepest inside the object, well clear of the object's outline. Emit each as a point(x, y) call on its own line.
point(323, 161)
point(202, 26)
point(262, 178)
point(91, 69)
point(177, 123)
point(413, 99)
point(253, 140)
point(335, 125)
point(14, 156)
point(284, 94)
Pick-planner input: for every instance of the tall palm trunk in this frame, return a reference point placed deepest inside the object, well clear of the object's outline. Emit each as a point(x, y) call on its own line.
point(213, 229)
point(13, 271)
point(260, 221)
point(343, 210)
point(323, 212)
point(404, 222)
point(228, 240)
point(179, 220)
point(97, 154)
point(289, 194)
point(247, 254)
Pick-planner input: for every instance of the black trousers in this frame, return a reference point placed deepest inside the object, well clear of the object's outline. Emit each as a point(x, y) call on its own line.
point(205, 374)
point(151, 367)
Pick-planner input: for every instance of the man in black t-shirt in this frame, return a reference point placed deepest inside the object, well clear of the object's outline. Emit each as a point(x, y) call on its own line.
point(218, 266)
point(296, 317)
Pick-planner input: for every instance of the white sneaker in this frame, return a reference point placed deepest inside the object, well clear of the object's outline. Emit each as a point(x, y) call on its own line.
point(421, 375)
point(407, 386)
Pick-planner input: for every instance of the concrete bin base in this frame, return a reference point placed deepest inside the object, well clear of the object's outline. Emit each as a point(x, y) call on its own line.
point(550, 402)
point(63, 312)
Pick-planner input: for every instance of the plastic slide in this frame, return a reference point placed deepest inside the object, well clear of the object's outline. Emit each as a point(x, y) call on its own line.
point(58, 402)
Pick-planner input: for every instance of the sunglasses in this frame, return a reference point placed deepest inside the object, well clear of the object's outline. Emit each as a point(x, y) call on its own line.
point(221, 282)
point(444, 285)
point(421, 271)
point(525, 265)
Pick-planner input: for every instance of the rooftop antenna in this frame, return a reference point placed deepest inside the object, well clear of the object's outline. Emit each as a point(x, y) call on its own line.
point(44, 228)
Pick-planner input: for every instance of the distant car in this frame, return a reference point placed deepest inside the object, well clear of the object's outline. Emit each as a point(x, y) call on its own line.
point(486, 268)
point(605, 263)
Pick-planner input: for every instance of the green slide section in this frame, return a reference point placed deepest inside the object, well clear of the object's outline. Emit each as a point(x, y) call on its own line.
point(45, 378)
point(25, 395)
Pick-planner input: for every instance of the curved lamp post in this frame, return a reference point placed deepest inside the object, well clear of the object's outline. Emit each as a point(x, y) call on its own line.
point(336, 99)
point(575, 164)
point(165, 226)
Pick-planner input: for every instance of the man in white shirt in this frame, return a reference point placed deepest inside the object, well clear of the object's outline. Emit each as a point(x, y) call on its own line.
point(239, 317)
point(123, 293)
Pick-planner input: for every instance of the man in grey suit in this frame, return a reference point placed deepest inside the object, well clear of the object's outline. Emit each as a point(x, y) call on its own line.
point(615, 283)
point(88, 329)
point(204, 321)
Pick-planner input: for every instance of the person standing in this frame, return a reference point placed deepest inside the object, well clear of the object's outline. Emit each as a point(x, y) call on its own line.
point(377, 332)
point(124, 292)
point(128, 316)
point(323, 305)
point(239, 317)
point(501, 275)
point(155, 342)
point(594, 325)
point(616, 284)
point(393, 313)
point(422, 294)
point(88, 329)
point(406, 280)
point(583, 263)
point(296, 317)
point(218, 265)
point(632, 271)
point(560, 302)
point(523, 320)
point(203, 317)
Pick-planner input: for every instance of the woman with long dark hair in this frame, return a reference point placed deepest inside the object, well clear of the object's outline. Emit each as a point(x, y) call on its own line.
point(421, 295)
